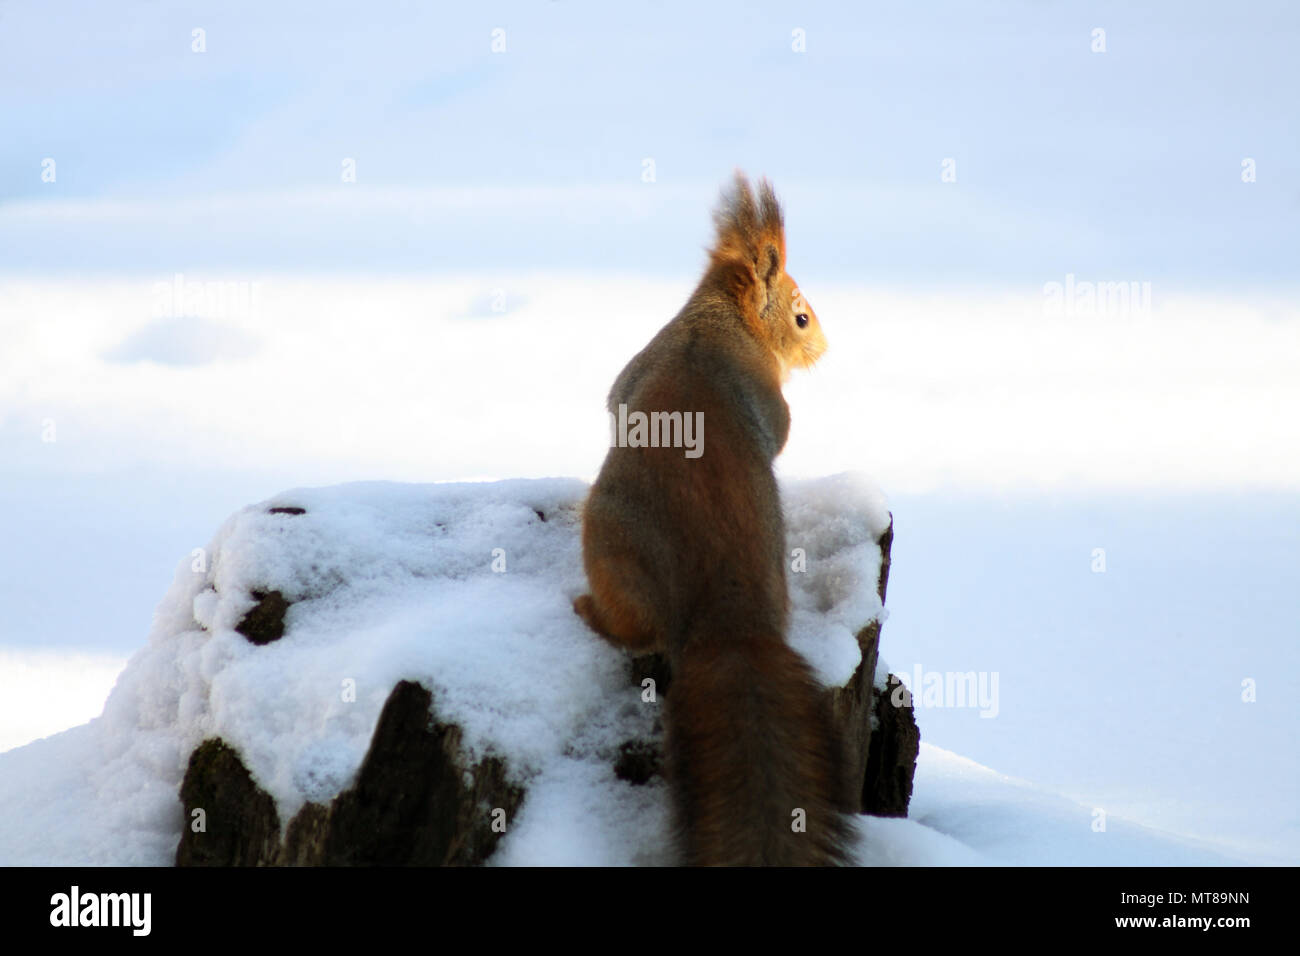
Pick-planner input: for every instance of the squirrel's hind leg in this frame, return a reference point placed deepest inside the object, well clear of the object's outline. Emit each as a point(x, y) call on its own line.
point(624, 619)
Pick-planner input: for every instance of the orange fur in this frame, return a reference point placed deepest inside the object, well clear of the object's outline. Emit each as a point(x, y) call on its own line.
point(687, 555)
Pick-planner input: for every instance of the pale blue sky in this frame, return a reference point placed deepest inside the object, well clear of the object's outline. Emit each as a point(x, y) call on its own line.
point(1122, 165)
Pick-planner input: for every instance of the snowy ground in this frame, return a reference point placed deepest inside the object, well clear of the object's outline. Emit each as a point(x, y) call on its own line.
point(396, 581)
point(1166, 439)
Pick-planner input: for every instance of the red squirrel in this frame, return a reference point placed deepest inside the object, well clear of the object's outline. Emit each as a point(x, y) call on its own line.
point(684, 551)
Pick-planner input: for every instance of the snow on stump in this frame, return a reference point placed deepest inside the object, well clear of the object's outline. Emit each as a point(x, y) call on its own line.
point(379, 673)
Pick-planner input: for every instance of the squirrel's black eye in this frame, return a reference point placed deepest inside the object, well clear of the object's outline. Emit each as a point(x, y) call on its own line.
point(801, 320)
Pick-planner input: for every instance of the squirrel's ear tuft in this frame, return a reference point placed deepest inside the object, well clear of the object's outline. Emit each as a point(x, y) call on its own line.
point(751, 233)
point(736, 219)
point(771, 221)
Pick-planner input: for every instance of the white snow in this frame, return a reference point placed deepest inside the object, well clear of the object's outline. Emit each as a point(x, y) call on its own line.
point(393, 581)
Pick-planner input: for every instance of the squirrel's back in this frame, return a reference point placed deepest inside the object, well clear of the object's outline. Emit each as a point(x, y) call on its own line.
point(685, 553)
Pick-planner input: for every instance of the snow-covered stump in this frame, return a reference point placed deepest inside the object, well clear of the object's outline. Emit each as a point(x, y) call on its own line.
point(505, 731)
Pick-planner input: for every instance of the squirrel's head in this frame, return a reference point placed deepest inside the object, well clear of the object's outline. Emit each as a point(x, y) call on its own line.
point(748, 259)
point(794, 328)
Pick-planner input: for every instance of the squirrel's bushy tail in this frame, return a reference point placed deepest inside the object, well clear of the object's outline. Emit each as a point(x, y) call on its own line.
point(752, 756)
